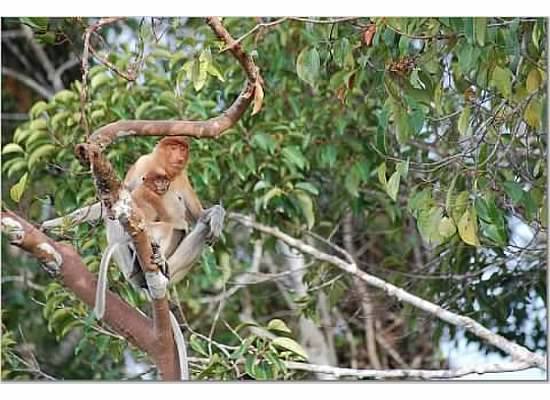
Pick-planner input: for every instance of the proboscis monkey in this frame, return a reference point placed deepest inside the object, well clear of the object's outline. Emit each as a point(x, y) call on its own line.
point(178, 209)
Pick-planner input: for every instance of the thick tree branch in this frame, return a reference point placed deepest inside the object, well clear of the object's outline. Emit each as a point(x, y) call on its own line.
point(516, 351)
point(64, 263)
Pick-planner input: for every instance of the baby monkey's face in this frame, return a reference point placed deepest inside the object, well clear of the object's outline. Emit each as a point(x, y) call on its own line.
point(157, 181)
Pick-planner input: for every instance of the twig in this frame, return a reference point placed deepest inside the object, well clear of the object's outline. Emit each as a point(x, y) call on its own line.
point(323, 21)
point(250, 32)
point(513, 349)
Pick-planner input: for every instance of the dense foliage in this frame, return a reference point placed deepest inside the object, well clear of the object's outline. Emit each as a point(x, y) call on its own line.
point(429, 131)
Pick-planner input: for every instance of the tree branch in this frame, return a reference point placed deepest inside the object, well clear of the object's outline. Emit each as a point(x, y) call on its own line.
point(63, 262)
point(47, 93)
point(516, 351)
point(407, 373)
point(44, 59)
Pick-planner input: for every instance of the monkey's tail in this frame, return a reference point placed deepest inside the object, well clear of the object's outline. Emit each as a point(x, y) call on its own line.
point(99, 309)
point(180, 346)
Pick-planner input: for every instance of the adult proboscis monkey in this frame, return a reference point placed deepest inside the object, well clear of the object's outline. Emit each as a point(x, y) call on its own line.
point(169, 206)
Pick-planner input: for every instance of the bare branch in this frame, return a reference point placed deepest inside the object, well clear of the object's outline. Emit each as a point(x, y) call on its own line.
point(324, 21)
point(44, 60)
point(250, 32)
point(516, 351)
point(407, 373)
point(15, 116)
point(45, 92)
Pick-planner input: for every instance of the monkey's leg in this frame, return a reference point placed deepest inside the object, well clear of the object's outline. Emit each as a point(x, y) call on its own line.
point(207, 230)
point(85, 214)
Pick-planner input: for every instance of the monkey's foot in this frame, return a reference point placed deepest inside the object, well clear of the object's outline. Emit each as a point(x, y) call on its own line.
point(158, 259)
point(213, 218)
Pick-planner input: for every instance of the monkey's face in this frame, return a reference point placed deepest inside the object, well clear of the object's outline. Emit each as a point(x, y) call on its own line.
point(175, 155)
point(157, 181)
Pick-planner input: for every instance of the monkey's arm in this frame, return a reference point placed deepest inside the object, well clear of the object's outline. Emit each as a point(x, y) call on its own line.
point(191, 199)
point(207, 229)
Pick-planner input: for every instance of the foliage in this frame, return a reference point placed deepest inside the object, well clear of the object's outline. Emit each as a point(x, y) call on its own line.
point(431, 134)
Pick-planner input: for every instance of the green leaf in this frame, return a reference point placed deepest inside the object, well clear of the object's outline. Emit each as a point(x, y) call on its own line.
point(308, 65)
point(99, 80)
point(428, 224)
point(264, 141)
point(37, 23)
point(214, 71)
point(393, 185)
point(278, 325)
point(403, 168)
point(514, 191)
point(270, 194)
point(382, 174)
point(328, 156)
point(480, 30)
point(402, 127)
point(446, 227)
point(459, 205)
point(38, 108)
point(249, 365)
point(352, 182)
point(469, 29)
point(415, 80)
point(534, 80)
point(532, 114)
point(294, 155)
point(69, 327)
point(306, 204)
point(143, 108)
point(464, 122)
point(261, 184)
point(467, 228)
point(12, 148)
point(289, 344)
point(18, 189)
point(308, 187)
point(197, 345)
point(199, 73)
point(420, 201)
point(502, 80)
point(39, 153)
point(242, 348)
point(65, 96)
point(17, 166)
point(39, 125)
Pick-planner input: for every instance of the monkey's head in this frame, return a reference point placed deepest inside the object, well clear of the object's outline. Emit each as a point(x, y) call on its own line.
point(157, 180)
point(173, 153)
